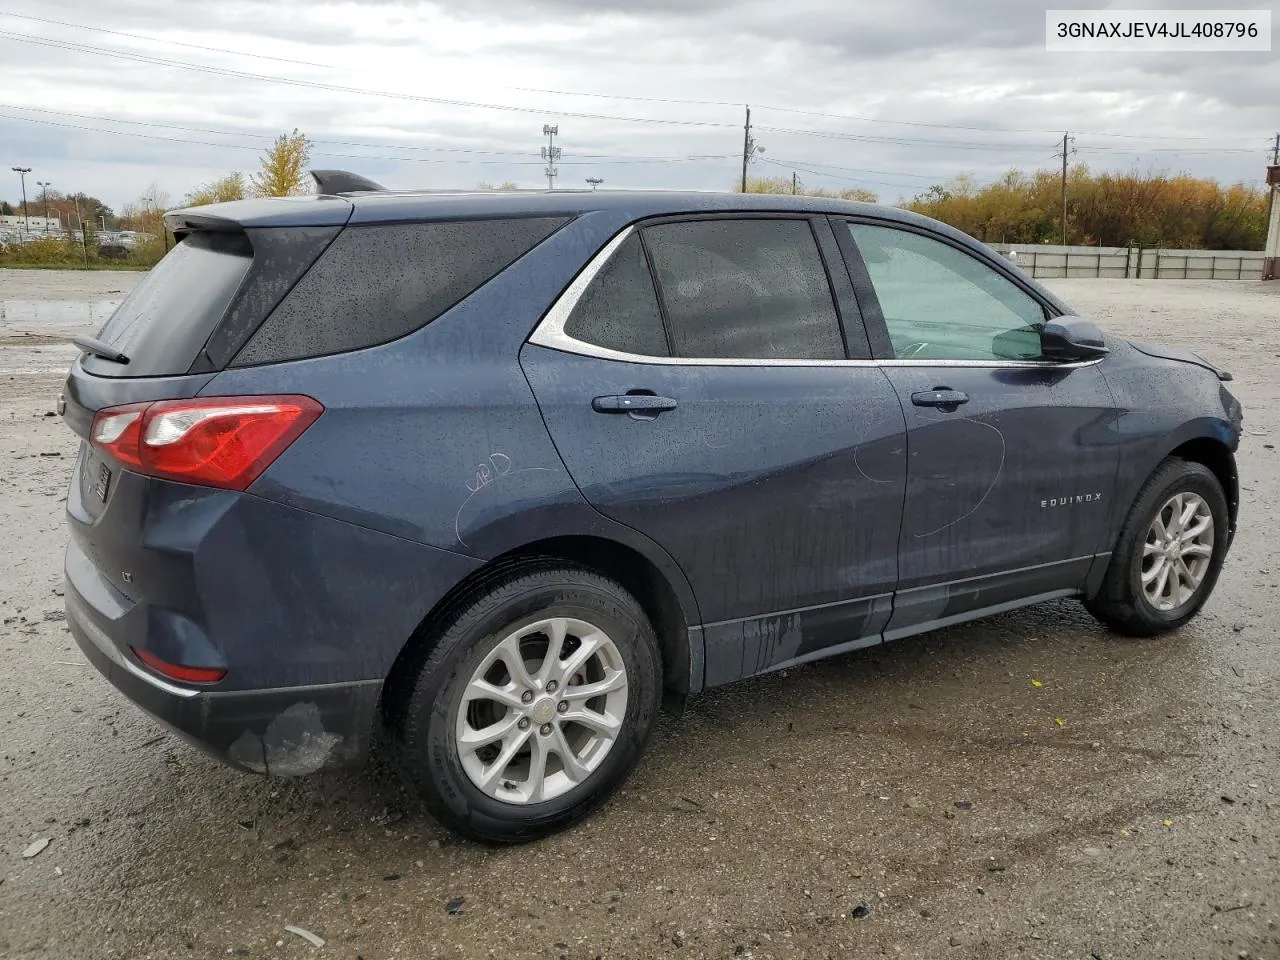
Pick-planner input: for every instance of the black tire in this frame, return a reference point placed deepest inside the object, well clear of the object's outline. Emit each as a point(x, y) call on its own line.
point(1121, 603)
point(427, 749)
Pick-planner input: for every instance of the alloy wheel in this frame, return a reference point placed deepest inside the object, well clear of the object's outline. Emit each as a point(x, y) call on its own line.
point(1177, 552)
point(542, 710)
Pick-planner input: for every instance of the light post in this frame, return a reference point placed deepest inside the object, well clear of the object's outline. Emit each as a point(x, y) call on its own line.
point(22, 173)
point(44, 185)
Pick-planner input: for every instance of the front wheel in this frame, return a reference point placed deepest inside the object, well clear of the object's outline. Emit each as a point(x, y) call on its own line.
point(534, 704)
point(1169, 554)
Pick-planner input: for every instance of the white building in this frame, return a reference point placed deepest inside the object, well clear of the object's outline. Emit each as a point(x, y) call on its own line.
point(34, 224)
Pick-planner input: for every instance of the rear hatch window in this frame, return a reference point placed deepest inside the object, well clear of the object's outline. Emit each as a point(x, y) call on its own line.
point(379, 282)
point(164, 323)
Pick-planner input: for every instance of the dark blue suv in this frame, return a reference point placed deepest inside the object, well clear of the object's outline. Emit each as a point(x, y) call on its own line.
point(494, 473)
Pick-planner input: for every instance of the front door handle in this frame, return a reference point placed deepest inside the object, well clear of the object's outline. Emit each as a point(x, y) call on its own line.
point(640, 406)
point(944, 398)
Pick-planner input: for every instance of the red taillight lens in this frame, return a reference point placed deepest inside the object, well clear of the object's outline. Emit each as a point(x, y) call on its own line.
point(176, 671)
point(214, 441)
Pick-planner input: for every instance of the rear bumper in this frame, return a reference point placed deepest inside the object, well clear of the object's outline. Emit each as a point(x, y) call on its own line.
point(282, 731)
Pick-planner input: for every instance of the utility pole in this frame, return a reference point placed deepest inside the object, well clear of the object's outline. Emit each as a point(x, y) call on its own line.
point(44, 186)
point(1272, 190)
point(746, 148)
point(22, 173)
point(793, 183)
point(1067, 150)
point(84, 242)
point(551, 153)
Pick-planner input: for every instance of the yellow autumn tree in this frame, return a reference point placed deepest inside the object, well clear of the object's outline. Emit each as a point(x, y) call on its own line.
point(230, 187)
point(284, 167)
point(1111, 209)
point(787, 185)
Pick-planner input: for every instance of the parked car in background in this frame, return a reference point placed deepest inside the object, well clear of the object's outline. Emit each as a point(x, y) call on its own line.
point(495, 472)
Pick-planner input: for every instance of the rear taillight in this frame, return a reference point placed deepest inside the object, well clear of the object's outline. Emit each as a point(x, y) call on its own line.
point(176, 671)
point(214, 441)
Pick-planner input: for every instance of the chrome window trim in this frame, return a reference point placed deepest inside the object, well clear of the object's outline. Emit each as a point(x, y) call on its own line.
point(550, 333)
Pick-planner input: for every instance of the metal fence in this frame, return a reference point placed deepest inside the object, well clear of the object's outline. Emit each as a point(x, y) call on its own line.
point(1145, 263)
point(123, 238)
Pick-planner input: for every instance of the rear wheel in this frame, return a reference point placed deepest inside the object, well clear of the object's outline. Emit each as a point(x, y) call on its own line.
point(1169, 554)
point(533, 706)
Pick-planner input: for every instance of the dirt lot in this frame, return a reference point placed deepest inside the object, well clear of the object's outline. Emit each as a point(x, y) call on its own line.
point(921, 799)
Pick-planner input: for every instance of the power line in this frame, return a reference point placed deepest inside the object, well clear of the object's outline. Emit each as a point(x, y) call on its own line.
point(840, 116)
point(445, 101)
point(339, 88)
point(883, 173)
point(905, 141)
point(165, 41)
point(573, 93)
point(793, 165)
point(342, 143)
point(357, 156)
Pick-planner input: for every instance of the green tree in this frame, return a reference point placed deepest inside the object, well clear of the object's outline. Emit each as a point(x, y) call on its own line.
point(284, 167)
point(230, 187)
point(6, 208)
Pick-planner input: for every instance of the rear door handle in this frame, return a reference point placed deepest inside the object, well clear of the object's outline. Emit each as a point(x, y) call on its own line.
point(944, 398)
point(641, 406)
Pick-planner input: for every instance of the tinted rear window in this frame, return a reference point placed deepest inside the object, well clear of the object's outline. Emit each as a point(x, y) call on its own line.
point(745, 289)
point(620, 308)
point(165, 321)
point(377, 283)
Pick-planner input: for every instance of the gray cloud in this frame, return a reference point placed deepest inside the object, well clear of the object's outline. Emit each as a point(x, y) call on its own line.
point(980, 64)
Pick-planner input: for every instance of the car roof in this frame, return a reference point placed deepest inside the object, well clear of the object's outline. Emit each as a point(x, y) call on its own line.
point(388, 206)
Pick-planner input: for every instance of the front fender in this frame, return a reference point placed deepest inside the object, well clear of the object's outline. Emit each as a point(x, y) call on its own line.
point(1164, 406)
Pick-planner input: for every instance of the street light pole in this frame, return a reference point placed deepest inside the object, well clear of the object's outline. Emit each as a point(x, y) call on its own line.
point(44, 185)
point(22, 173)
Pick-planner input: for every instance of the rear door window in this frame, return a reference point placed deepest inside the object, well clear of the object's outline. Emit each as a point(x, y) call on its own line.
point(619, 311)
point(745, 289)
point(162, 325)
point(377, 283)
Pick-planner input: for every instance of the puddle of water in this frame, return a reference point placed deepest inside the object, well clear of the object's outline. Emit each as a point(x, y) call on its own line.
point(27, 313)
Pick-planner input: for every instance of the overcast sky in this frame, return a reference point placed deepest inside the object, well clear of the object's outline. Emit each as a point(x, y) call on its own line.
point(890, 96)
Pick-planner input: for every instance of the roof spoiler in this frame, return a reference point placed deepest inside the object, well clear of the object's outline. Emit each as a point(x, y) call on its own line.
point(334, 182)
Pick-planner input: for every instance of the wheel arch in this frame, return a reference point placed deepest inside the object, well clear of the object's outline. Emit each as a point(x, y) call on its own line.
point(1218, 457)
point(669, 605)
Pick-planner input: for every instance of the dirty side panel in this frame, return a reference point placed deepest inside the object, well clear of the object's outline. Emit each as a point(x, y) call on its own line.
point(435, 438)
point(1020, 476)
point(1163, 404)
point(775, 488)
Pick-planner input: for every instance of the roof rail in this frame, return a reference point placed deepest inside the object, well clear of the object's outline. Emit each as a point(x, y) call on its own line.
point(340, 181)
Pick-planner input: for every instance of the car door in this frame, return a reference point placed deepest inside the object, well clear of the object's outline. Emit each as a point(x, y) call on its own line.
point(696, 381)
point(1011, 458)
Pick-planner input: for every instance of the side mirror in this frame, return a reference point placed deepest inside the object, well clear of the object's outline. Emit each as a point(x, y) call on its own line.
point(1072, 338)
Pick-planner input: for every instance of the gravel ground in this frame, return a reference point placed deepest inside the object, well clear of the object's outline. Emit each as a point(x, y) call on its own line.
point(920, 799)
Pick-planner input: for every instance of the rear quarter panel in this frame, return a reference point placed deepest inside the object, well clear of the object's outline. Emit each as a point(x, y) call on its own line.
point(436, 437)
